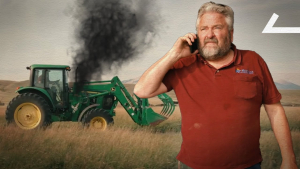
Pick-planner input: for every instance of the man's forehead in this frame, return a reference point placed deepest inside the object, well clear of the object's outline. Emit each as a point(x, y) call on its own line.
point(212, 17)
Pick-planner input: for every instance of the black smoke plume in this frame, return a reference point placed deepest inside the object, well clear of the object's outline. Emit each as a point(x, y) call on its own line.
point(111, 33)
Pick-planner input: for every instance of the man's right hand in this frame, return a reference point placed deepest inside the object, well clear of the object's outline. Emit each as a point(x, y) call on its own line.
point(181, 48)
point(150, 84)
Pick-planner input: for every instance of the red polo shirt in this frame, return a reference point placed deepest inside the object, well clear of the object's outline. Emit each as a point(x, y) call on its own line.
point(220, 109)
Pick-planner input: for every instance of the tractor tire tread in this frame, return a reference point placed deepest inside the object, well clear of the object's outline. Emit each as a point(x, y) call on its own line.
point(29, 97)
point(97, 112)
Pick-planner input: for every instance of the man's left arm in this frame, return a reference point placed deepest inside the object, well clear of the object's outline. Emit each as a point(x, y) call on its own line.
point(282, 133)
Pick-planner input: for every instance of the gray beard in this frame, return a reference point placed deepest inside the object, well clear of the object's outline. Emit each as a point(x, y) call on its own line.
point(217, 52)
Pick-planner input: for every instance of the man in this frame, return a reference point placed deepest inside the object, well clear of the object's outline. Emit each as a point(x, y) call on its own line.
point(39, 82)
point(220, 92)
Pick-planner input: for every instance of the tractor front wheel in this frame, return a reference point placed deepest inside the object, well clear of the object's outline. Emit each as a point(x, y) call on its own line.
point(97, 119)
point(28, 111)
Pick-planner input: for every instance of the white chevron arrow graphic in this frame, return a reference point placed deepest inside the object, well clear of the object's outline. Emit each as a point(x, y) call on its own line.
point(270, 29)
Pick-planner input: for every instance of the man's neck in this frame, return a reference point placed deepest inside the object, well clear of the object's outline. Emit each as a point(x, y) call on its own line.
point(221, 62)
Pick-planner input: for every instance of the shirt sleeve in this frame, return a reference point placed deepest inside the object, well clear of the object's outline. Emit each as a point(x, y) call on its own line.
point(271, 94)
point(168, 79)
point(186, 61)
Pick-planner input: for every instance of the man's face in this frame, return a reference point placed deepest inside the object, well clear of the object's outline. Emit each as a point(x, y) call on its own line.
point(214, 36)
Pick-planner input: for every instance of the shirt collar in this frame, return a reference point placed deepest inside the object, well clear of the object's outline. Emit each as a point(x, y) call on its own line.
point(237, 59)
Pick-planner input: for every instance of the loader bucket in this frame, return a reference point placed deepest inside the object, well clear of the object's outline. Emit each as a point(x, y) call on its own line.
point(169, 106)
point(152, 118)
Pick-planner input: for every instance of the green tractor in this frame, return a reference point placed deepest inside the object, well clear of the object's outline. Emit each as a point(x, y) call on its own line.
point(49, 98)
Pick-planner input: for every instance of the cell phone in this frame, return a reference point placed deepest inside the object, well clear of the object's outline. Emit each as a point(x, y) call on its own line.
point(194, 45)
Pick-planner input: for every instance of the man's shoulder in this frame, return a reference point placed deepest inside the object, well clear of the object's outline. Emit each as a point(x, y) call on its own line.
point(249, 54)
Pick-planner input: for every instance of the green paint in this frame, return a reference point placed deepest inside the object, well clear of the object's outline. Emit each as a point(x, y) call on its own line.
point(72, 105)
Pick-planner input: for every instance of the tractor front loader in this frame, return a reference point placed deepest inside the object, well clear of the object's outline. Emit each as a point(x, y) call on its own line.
point(49, 98)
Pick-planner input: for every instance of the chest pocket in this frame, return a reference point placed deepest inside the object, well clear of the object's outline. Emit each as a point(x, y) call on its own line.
point(245, 86)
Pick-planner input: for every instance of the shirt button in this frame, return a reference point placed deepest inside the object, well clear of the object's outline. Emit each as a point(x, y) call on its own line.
point(218, 71)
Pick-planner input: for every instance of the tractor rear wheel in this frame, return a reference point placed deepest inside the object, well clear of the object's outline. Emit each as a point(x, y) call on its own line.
point(97, 119)
point(28, 111)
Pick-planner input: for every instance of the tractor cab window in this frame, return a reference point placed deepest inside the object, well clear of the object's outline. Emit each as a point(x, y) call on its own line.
point(54, 84)
point(39, 80)
point(52, 80)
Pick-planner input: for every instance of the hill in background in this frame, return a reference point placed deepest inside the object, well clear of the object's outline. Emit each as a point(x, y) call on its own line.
point(285, 85)
point(131, 81)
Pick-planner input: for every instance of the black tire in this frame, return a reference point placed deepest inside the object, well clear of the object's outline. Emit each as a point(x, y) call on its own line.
point(97, 119)
point(28, 111)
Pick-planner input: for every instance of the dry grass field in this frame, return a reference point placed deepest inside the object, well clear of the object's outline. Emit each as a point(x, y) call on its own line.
point(125, 145)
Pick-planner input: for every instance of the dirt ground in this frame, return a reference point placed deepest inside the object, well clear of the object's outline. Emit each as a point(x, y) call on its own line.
point(2, 110)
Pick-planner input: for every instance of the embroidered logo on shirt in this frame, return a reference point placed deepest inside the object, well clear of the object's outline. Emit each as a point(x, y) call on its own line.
point(243, 71)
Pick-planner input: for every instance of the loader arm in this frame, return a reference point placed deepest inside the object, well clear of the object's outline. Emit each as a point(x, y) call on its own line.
point(138, 109)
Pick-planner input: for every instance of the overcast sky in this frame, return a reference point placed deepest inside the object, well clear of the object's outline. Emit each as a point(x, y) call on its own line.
point(42, 31)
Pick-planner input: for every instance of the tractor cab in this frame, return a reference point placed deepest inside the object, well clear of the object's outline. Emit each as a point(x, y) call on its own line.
point(53, 79)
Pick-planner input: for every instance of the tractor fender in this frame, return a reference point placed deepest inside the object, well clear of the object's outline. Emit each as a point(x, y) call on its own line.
point(85, 110)
point(42, 92)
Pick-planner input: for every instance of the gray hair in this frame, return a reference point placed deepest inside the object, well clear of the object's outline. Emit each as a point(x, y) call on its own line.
point(219, 8)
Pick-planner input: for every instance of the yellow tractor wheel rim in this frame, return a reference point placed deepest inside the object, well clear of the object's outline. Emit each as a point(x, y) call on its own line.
point(27, 116)
point(98, 123)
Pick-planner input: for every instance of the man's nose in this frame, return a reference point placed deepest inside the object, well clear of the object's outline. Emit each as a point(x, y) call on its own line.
point(210, 34)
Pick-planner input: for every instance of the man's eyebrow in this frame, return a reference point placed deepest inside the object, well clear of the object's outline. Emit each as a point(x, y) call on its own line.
point(204, 26)
point(201, 27)
point(221, 25)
